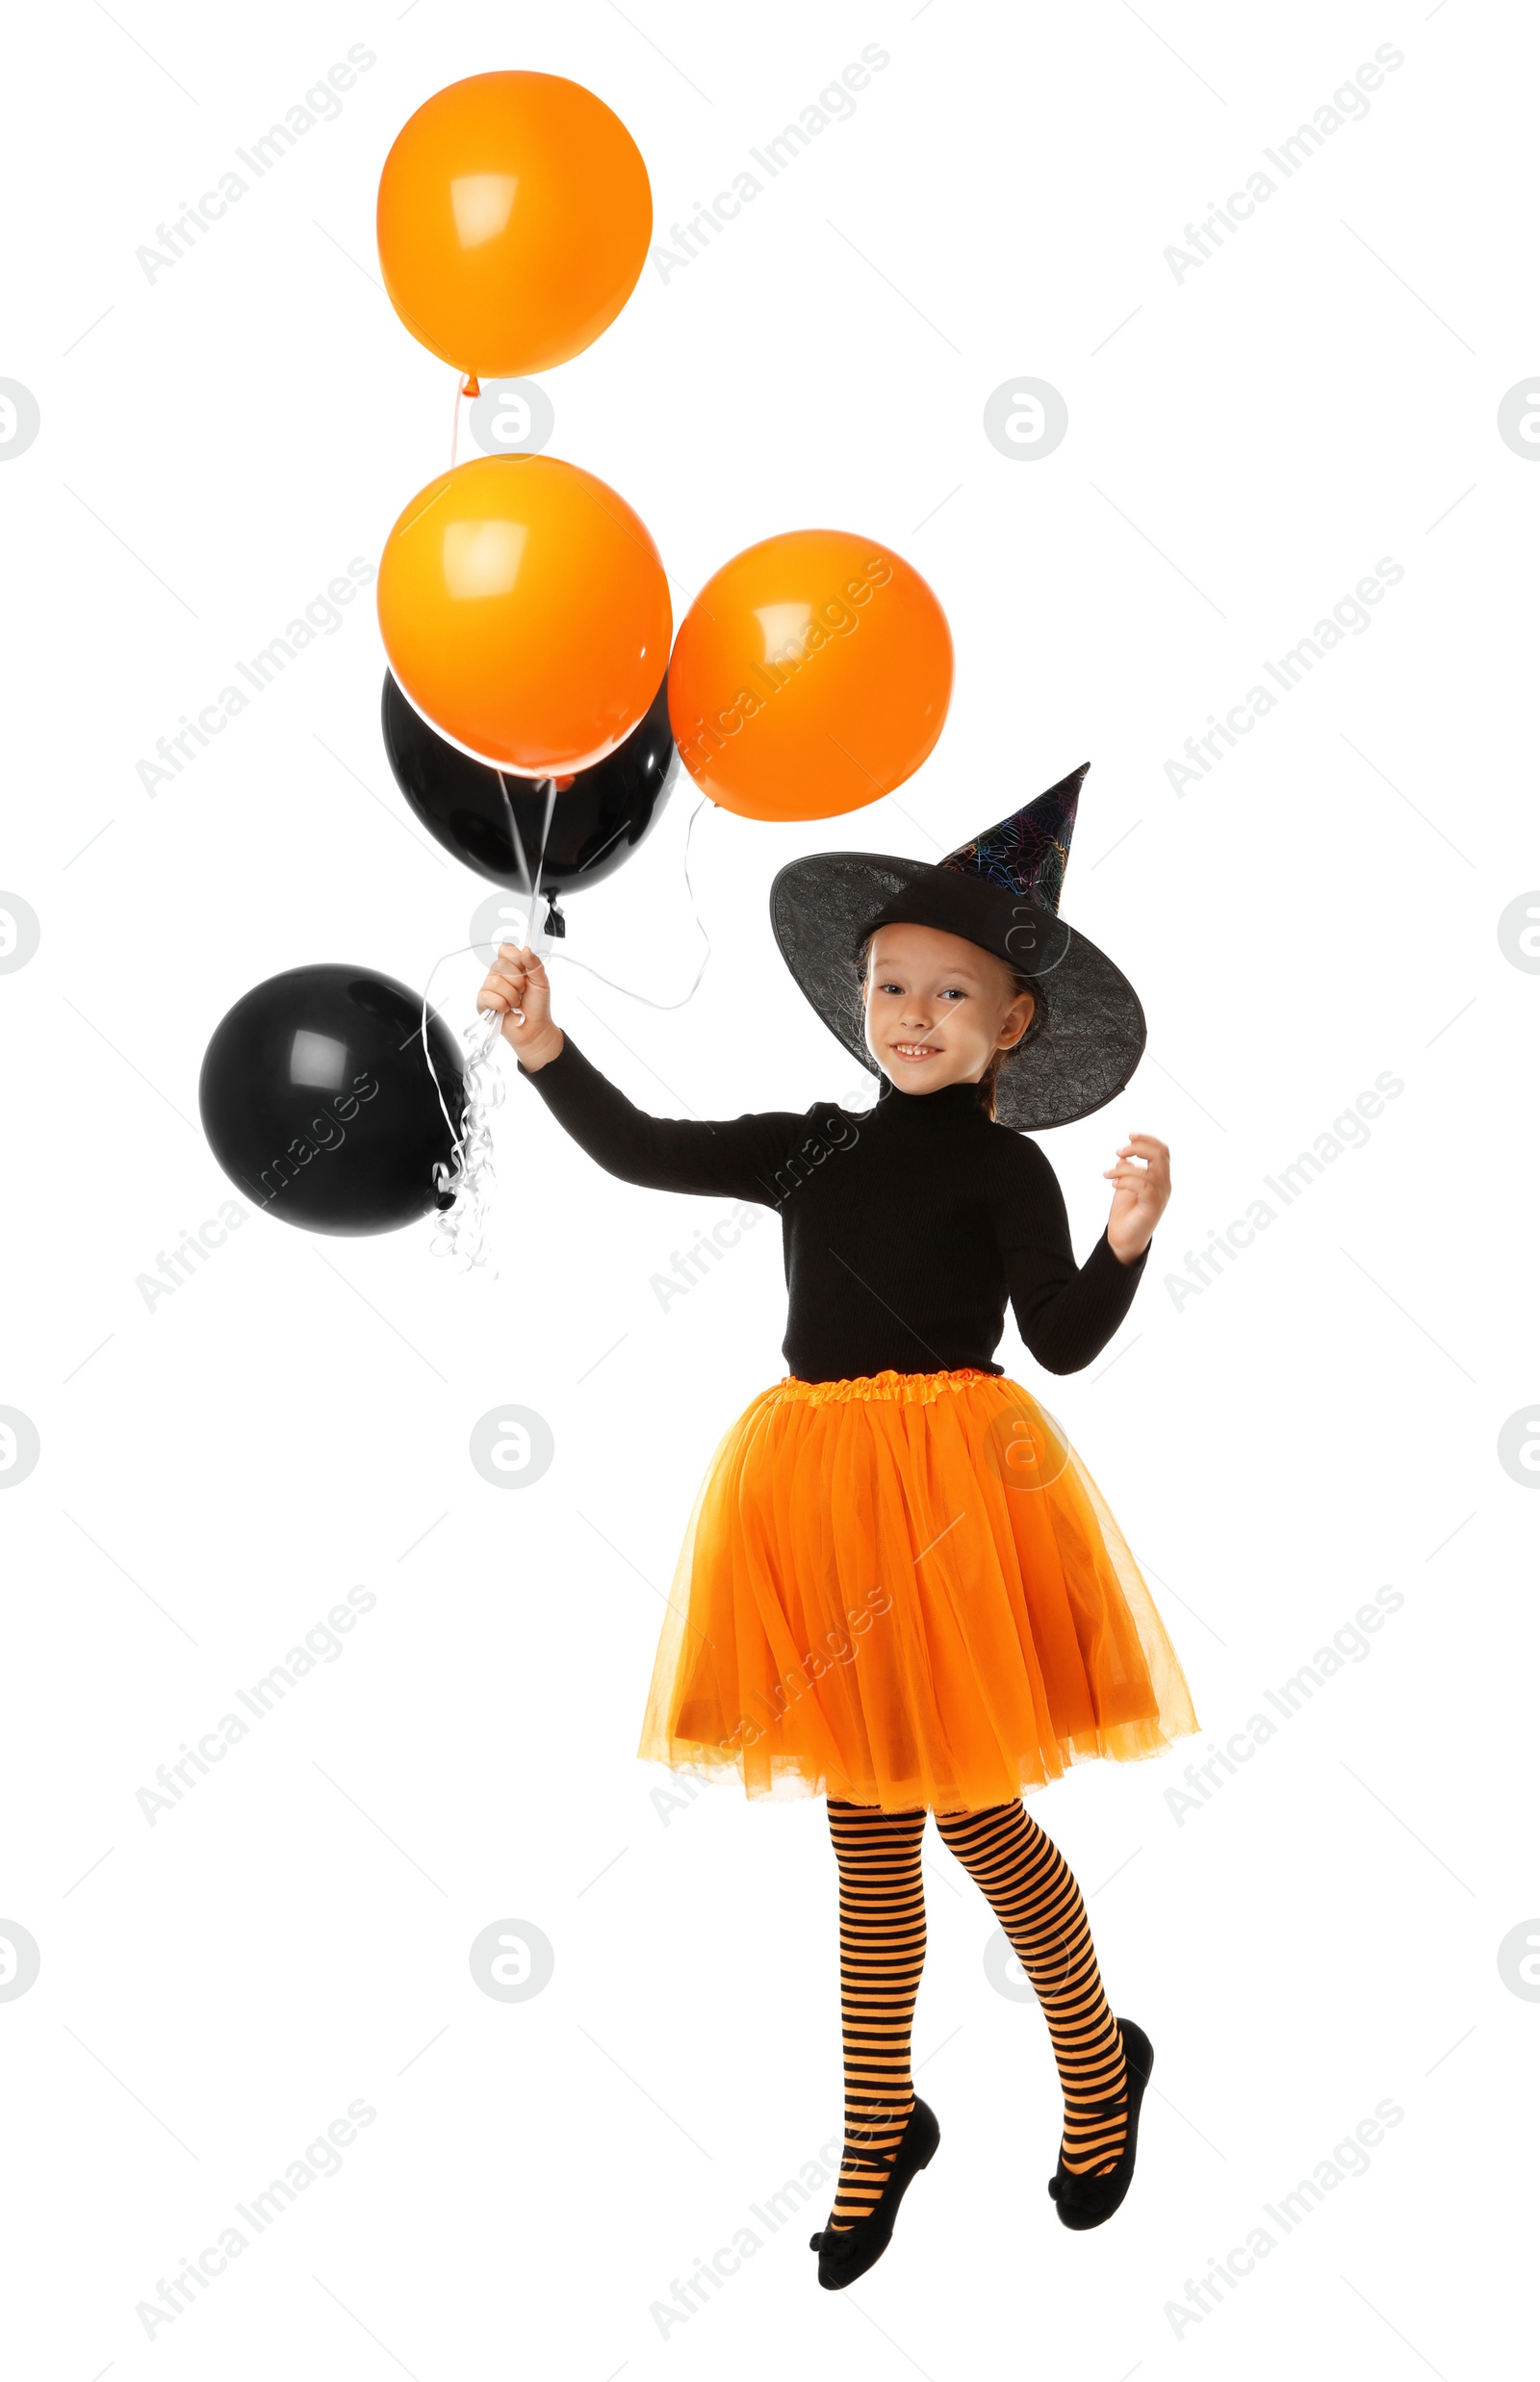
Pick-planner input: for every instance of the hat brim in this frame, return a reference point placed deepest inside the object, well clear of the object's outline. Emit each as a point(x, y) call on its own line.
point(1087, 1049)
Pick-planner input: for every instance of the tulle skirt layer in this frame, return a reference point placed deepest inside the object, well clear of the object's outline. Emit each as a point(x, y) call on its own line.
point(907, 1589)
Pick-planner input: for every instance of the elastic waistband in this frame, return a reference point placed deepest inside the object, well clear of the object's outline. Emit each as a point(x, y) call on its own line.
point(908, 1388)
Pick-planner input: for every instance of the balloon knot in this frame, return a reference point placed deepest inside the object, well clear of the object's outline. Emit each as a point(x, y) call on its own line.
point(470, 387)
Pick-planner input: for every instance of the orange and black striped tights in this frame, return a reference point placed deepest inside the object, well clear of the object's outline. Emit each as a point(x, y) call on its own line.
point(882, 1950)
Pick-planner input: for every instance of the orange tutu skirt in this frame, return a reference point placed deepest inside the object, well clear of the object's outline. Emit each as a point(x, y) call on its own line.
point(907, 1589)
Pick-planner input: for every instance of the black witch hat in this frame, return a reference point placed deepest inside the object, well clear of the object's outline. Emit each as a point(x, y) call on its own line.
point(1000, 891)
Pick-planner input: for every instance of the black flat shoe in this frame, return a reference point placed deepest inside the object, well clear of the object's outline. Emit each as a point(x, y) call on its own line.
point(846, 2254)
point(1087, 2200)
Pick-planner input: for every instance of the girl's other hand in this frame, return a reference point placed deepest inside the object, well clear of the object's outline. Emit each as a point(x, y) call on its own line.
point(516, 987)
point(1140, 1196)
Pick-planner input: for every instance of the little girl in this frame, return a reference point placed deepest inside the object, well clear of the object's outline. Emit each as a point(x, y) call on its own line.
point(901, 1589)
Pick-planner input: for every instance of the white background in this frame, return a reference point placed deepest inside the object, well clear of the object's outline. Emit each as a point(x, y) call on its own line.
point(1244, 444)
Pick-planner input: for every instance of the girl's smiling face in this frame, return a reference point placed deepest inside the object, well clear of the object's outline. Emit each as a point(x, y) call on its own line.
point(938, 1008)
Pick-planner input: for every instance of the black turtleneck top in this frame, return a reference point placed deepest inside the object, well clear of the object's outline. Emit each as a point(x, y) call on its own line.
point(905, 1228)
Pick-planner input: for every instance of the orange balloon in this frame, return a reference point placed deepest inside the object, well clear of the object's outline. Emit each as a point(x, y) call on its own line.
point(525, 613)
point(514, 216)
point(812, 675)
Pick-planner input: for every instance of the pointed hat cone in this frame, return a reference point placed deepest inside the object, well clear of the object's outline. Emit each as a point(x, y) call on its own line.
point(1027, 853)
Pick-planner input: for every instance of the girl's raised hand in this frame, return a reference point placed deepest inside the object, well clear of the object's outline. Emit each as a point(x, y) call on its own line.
point(516, 987)
point(1140, 1195)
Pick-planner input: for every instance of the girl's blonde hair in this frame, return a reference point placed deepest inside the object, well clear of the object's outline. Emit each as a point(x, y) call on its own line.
point(1019, 983)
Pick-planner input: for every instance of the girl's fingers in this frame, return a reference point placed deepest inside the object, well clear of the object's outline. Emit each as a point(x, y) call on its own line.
point(523, 957)
point(1137, 1179)
point(517, 977)
point(1156, 1159)
point(1145, 1146)
point(522, 968)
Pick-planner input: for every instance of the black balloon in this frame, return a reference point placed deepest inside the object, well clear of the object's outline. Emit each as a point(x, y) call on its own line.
point(597, 821)
point(317, 1102)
